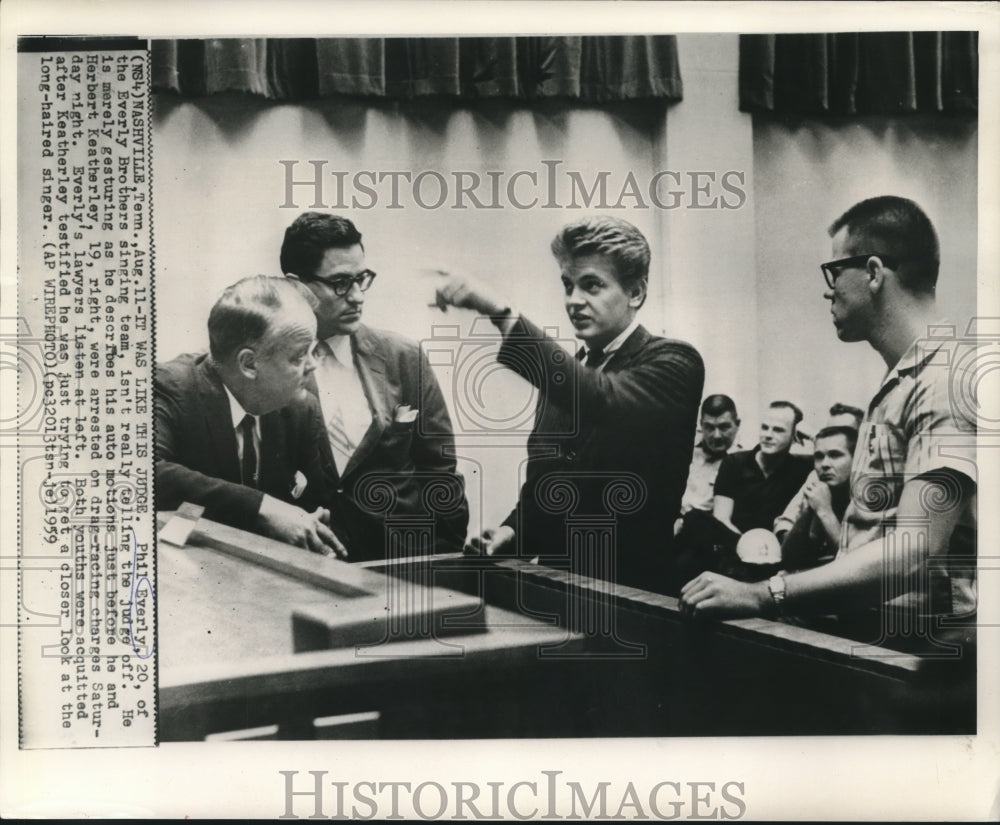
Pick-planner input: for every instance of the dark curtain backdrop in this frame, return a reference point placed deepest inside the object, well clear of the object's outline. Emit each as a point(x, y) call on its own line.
point(589, 69)
point(859, 74)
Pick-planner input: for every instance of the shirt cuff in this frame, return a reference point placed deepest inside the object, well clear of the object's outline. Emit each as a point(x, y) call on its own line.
point(505, 320)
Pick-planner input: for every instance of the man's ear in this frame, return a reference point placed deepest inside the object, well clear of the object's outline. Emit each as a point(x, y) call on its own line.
point(876, 274)
point(638, 294)
point(246, 362)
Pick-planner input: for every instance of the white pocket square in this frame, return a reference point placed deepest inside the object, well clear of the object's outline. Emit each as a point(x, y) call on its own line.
point(299, 487)
point(406, 415)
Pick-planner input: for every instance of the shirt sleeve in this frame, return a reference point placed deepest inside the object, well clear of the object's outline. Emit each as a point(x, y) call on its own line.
point(940, 435)
point(795, 507)
point(725, 482)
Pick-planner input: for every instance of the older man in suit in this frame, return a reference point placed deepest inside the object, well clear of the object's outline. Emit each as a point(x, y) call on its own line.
point(389, 450)
point(614, 429)
point(236, 432)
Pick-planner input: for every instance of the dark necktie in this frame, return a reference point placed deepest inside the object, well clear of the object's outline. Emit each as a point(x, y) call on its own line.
point(595, 357)
point(249, 467)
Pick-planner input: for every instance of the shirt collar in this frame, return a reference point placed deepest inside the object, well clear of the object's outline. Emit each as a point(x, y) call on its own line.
point(916, 356)
point(617, 342)
point(340, 346)
point(237, 412)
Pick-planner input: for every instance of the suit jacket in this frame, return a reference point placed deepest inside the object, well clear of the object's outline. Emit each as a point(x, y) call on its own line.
point(400, 470)
point(608, 448)
point(196, 452)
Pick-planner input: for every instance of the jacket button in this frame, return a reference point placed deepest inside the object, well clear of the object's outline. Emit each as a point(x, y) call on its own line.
point(571, 455)
point(340, 491)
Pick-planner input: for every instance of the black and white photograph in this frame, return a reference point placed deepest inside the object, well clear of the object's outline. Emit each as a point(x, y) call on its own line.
point(457, 415)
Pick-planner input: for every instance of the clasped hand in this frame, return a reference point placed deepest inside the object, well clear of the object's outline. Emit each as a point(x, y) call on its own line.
point(293, 525)
point(711, 594)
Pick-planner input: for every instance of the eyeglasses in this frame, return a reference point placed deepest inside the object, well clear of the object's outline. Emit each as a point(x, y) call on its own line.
point(833, 269)
point(342, 284)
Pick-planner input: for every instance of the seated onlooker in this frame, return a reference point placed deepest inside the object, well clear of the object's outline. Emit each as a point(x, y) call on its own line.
point(751, 489)
point(719, 424)
point(841, 415)
point(754, 486)
point(815, 533)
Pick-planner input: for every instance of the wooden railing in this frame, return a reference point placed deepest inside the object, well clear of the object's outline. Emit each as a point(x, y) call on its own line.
point(522, 650)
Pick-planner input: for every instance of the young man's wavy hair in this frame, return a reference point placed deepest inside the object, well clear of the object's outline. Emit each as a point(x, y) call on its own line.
point(612, 238)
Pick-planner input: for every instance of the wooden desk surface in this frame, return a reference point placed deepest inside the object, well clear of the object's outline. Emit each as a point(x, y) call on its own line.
point(518, 661)
point(218, 605)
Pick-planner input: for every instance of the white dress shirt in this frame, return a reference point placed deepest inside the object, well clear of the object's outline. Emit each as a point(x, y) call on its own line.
point(340, 388)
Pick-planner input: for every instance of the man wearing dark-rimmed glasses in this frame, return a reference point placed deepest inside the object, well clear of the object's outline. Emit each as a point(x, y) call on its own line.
point(908, 539)
point(383, 408)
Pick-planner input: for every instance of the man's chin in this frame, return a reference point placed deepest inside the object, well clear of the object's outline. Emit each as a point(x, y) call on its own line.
point(845, 335)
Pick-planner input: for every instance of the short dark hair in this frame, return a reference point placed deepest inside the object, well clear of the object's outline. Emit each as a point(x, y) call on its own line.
point(310, 236)
point(849, 433)
point(847, 409)
point(788, 405)
point(895, 227)
point(614, 238)
point(244, 314)
point(716, 405)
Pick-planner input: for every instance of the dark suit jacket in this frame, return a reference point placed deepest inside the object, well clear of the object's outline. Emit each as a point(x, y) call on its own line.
point(196, 453)
point(621, 440)
point(400, 469)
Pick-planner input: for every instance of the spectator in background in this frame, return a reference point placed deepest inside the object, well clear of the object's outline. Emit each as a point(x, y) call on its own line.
point(754, 486)
point(751, 489)
point(815, 532)
point(719, 427)
point(844, 415)
point(841, 415)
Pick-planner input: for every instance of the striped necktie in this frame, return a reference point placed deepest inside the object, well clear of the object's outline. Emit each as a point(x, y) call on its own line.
point(340, 441)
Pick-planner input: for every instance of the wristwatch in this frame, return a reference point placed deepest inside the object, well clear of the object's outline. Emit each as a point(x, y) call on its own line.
point(776, 587)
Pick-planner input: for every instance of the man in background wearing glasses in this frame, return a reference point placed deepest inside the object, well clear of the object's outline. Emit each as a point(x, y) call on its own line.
point(908, 539)
point(385, 415)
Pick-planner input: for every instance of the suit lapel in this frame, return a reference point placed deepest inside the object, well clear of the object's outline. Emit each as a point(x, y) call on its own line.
point(370, 364)
point(272, 448)
point(221, 437)
point(633, 345)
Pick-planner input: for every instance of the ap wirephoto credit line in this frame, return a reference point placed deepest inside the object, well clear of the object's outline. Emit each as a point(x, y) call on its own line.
point(442, 423)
